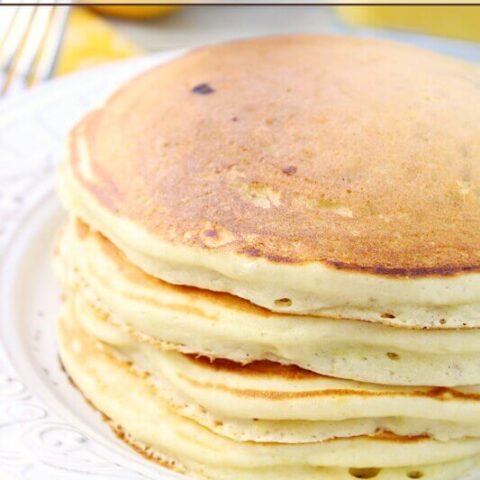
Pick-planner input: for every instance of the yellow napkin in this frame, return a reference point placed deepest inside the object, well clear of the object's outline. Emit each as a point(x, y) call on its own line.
point(450, 21)
point(90, 40)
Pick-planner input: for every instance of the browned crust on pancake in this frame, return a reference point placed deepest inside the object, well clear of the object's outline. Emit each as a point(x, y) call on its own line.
point(442, 394)
point(151, 455)
point(443, 271)
point(138, 276)
point(146, 452)
point(357, 154)
point(258, 367)
point(135, 274)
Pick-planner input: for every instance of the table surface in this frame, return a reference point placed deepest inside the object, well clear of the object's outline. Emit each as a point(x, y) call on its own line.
point(198, 25)
point(194, 25)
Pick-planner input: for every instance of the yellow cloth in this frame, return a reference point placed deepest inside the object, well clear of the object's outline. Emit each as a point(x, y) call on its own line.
point(90, 40)
point(450, 21)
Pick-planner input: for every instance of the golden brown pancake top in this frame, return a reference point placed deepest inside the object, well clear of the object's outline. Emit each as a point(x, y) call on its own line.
point(354, 153)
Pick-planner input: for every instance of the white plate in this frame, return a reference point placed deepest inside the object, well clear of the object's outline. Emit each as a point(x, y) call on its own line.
point(47, 431)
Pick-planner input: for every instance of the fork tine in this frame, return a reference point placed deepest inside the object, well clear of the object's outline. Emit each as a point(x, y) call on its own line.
point(15, 36)
point(53, 42)
point(12, 44)
point(33, 43)
point(6, 21)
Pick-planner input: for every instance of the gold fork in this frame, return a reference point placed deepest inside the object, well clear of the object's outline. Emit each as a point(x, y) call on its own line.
point(30, 41)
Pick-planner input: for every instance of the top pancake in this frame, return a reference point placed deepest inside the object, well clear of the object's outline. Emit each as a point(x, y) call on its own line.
point(346, 154)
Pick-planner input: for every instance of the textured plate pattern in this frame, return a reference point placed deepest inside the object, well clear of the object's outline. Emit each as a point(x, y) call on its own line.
point(39, 436)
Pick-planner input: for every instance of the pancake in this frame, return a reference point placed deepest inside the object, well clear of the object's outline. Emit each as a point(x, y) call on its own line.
point(271, 266)
point(290, 405)
point(221, 325)
point(337, 176)
point(117, 389)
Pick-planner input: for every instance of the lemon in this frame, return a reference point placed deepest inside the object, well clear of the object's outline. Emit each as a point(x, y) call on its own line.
point(90, 41)
point(135, 11)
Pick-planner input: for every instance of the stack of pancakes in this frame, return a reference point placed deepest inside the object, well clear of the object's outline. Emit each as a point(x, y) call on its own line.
point(272, 263)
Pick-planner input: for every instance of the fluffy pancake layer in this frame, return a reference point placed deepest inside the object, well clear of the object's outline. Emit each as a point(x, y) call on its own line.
point(290, 405)
point(300, 188)
point(116, 388)
point(220, 325)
